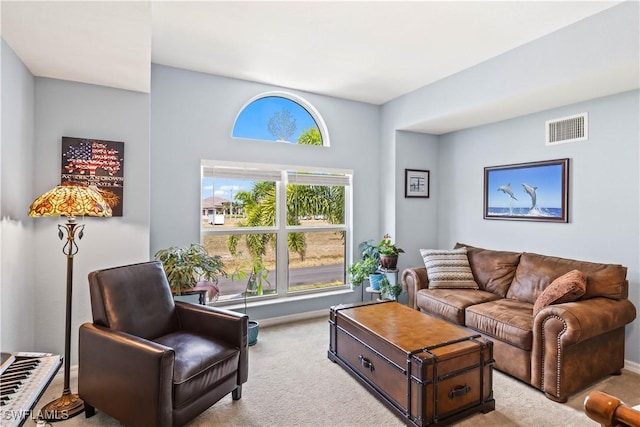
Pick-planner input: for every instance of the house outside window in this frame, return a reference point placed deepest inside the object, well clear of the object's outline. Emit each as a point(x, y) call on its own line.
point(289, 225)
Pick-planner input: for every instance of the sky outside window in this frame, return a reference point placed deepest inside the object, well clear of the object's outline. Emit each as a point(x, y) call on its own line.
point(253, 121)
point(224, 187)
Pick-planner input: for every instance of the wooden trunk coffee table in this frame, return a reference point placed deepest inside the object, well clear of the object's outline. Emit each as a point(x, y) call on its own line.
point(424, 369)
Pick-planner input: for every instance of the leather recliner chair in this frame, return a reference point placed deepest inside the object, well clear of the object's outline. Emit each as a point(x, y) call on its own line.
point(149, 361)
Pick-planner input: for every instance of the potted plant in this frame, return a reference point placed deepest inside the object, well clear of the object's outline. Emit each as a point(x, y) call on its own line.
point(388, 253)
point(186, 266)
point(257, 276)
point(367, 267)
point(388, 290)
point(363, 270)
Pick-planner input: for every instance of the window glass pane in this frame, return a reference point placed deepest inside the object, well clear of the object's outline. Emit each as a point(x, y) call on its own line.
point(242, 254)
point(241, 205)
point(275, 118)
point(231, 203)
point(315, 204)
point(320, 264)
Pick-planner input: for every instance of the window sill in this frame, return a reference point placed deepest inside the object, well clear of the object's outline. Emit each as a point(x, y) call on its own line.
point(283, 300)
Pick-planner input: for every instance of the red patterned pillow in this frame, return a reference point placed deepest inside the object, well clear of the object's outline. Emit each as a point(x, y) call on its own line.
point(568, 287)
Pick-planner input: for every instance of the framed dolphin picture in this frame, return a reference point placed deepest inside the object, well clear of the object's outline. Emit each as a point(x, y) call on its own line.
point(536, 191)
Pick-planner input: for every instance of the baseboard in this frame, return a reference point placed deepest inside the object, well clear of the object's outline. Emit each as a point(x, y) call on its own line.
point(632, 366)
point(272, 321)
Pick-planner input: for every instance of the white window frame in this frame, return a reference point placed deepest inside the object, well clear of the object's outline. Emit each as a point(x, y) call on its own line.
point(281, 229)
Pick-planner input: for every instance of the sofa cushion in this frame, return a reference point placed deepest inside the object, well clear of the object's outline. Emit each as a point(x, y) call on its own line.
point(448, 268)
point(450, 304)
point(568, 287)
point(507, 320)
point(493, 270)
point(536, 272)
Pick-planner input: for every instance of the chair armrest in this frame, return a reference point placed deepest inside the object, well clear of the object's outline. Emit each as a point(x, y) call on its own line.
point(226, 325)
point(610, 411)
point(414, 279)
point(120, 373)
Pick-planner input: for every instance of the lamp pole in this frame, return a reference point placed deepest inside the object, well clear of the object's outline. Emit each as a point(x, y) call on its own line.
point(69, 404)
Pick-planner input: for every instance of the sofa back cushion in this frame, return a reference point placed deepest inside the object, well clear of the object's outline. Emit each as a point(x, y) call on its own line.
point(535, 272)
point(492, 270)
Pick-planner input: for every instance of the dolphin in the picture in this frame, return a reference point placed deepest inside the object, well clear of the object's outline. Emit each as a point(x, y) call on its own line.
point(506, 189)
point(532, 192)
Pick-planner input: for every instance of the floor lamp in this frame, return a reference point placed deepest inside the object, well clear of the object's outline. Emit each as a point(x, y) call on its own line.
point(69, 201)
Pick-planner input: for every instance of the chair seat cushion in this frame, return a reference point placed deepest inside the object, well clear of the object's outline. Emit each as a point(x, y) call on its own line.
point(450, 304)
point(508, 320)
point(200, 364)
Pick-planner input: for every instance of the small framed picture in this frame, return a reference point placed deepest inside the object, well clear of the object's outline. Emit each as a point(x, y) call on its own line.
point(416, 183)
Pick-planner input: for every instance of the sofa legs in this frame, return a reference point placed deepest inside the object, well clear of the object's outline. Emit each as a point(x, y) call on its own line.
point(237, 393)
point(556, 399)
point(89, 411)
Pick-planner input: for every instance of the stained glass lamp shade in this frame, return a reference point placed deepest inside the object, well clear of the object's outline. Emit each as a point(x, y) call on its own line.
point(69, 201)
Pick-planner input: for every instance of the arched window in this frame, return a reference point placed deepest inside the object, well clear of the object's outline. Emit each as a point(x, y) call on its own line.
point(281, 117)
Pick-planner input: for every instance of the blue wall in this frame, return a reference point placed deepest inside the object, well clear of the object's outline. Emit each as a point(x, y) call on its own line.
point(192, 116)
point(17, 287)
point(494, 114)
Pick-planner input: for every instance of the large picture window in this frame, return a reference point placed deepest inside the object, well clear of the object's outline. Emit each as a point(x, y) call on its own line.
point(285, 226)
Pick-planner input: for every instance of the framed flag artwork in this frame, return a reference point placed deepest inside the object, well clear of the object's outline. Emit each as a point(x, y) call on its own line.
point(95, 162)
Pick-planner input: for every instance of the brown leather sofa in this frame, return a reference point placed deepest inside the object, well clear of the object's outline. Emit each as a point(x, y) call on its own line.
point(561, 350)
point(149, 361)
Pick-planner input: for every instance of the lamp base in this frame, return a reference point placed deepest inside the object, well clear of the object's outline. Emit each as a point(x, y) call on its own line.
point(66, 406)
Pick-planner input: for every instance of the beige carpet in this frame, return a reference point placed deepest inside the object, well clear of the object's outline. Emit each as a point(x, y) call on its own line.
point(293, 383)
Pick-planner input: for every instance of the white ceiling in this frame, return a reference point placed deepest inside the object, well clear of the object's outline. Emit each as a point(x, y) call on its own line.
point(359, 50)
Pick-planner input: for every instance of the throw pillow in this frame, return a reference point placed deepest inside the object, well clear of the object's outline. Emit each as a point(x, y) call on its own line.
point(448, 268)
point(568, 287)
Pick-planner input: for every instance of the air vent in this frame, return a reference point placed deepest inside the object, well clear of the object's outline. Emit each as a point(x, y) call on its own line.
point(567, 129)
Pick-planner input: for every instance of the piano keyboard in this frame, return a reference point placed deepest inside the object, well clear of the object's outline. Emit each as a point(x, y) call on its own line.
point(23, 379)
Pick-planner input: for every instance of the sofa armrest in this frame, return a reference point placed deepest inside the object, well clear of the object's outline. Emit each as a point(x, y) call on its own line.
point(576, 343)
point(226, 325)
point(414, 279)
point(121, 373)
point(582, 320)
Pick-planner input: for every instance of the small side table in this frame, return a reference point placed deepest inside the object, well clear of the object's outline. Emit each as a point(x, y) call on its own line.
point(392, 277)
point(373, 292)
point(202, 295)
